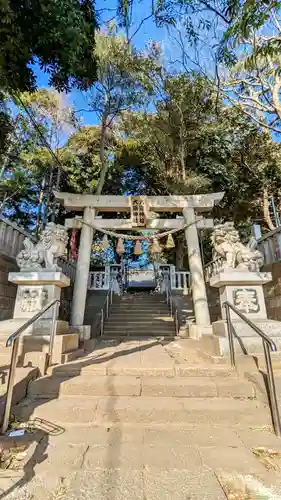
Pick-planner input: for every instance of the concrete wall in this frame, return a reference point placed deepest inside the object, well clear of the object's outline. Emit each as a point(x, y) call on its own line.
point(11, 242)
point(272, 291)
point(94, 303)
point(7, 290)
point(213, 302)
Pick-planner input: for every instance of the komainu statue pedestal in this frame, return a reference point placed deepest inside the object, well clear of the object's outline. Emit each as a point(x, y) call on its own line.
point(240, 282)
point(35, 290)
point(244, 290)
point(39, 282)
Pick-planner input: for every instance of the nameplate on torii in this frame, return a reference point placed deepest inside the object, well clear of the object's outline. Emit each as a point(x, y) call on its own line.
point(126, 224)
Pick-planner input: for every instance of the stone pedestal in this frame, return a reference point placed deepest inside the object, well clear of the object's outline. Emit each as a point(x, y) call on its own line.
point(243, 289)
point(35, 290)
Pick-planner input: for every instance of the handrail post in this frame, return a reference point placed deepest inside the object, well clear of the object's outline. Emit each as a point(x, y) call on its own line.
point(10, 385)
point(167, 291)
point(102, 322)
point(53, 334)
point(176, 322)
point(13, 341)
point(272, 390)
point(230, 335)
point(268, 345)
point(107, 306)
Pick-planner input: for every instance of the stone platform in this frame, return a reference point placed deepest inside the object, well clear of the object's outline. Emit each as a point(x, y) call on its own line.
point(145, 419)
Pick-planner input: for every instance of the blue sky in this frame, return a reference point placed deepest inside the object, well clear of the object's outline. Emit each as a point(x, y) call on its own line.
point(148, 31)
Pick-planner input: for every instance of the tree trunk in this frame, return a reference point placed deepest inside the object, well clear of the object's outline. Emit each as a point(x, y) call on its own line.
point(39, 208)
point(180, 251)
point(182, 158)
point(266, 212)
point(182, 147)
point(104, 164)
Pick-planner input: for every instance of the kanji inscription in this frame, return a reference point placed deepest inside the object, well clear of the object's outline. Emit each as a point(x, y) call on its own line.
point(246, 300)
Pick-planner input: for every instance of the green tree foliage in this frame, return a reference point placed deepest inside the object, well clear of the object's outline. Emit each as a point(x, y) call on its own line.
point(59, 34)
point(194, 144)
point(53, 119)
point(31, 159)
point(125, 81)
point(249, 16)
point(254, 83)
point(19, 184)
point(82, 160)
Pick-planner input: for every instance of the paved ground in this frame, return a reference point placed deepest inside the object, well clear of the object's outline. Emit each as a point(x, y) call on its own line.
point(129, 461)
point(161, 455)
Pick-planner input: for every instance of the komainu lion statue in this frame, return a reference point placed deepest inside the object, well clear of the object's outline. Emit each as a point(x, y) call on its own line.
point(226, 243)
point(51, 246)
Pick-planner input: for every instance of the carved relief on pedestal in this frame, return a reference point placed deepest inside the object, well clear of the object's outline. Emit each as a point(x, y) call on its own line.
point(246, 300)
point(45, 253)
point(33, 299)
point(226, 243)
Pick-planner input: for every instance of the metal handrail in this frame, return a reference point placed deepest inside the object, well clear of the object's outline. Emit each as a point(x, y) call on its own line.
point(104, 312)
point(14, 341)
point(268, 345)
point(172, 307)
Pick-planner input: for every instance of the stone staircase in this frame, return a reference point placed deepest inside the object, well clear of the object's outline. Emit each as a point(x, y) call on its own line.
point(143, 419)
point(139, 315)
point(32, 356)
point(140, 382)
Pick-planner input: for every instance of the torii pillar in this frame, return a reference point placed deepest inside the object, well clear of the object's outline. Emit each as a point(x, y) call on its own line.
point(192, 206)
point(198, 286)
point(82, 269)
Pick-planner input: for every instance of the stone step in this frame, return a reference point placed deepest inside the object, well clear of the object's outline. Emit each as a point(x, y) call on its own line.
point(136, 304)
point(139, 314)
point(5, 357)
point(184, 370)
point(135, 311)
point(22, 378)
point(140, 300)
point(144, 320)
point(110, 366)
point(77, 410)
point(144, 323)
point(141, 333)
point(252, 345)
point(72, 355)
point(136, 327)
point(137, 296)
point(138, 308)
point(147, 300)
point(49, 387)
point(275, 358)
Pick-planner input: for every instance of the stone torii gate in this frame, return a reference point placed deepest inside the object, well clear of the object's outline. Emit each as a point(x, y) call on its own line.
point(143, 210)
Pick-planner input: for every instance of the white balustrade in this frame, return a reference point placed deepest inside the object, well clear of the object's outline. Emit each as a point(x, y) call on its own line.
point(213, 268)
point(98, 281)
point(180, 280)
